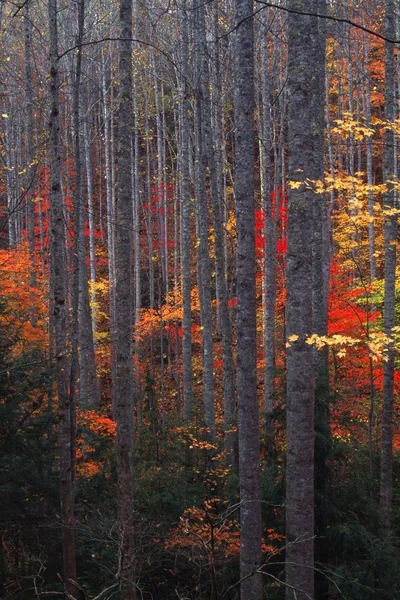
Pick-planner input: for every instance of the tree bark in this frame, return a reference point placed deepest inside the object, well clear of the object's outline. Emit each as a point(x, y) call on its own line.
point(320, 285)
point(124, 312)
point(391, 228)
point(110, 229)
point(186, 208)
point(30, 170)
point(248, 419)
point(230, 416)
point(58, 270)
point(304, 91)
point(202, 215)
point(270, 248)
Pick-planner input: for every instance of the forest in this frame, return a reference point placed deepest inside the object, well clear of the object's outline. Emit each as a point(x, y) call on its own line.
point(199, 326)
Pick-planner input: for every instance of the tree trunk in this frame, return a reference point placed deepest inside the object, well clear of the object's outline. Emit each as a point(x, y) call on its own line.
point(58, 268)
point(110, 230)
point(30, 170)
point(320, 285)
point(186, 208)
point(390, 274)
point(305, 93)
point(248, 419)
point(124, 311)
point(230, 417)
point(92, 248)
point(202, 214)
point(270, 248)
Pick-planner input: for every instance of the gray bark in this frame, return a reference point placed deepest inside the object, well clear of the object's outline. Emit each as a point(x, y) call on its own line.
point(202, 215)
point(30, 170)
point(186, 208)
point(150, 217)
point(270, 248)
point(92, 249)
point(89, 385)
point(124, 312)
point(230, 417)
point(369, 148)
point(305, 93)
point(320, 286)
point(248, 419)
point(58, 268)
point(110, 229)
point(391, 228)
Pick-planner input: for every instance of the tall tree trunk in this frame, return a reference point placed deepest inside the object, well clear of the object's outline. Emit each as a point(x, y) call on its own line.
point(149, 202)
point(320, 285)
point(391, 228)
point(270, 248)
point(92, 248)
point(58, 269)
point(30, 170)
point(136, 246)
point(248, 419)
point(230, 417)
point(124, 311)
point(369, 149)
point(89, 386)
point(202, 214)
point(304, 89)
point(186, 208)
point(110, 229)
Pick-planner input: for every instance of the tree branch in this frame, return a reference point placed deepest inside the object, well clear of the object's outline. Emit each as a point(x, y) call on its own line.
point(329, 18)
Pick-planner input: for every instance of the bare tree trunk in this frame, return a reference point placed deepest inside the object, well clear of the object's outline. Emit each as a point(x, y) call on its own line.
point(320, 285)
point(58, 264)
point(248, 419)
point(30, 170)
point(391, 228)
point(136, 247)
point(186, 209)
point(369, 148)
point(149, 202)
point(160, 188)
point(124, 312)
point(270, 249)
point(92, 248)
point(89, 386)
point(230, 417)
point(110, 230)
point(304, 92)
point(202, 214)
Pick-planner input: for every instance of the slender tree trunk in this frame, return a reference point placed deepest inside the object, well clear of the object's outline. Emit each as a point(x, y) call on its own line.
point(110, 230)
point(150, 216)
point(186, 208)
point(58, 264)
point(305, 94)
point(369, 149)
point(124, 312)
point(248, 419)
point(92, 247)
point(136, 247)
point(160, 189)
point(77, 373)
point(89, 385)
point(202, 214)
point(270, 248)
point(320, 285)
point(30, 170)
point(391, 228)
point(230, 417)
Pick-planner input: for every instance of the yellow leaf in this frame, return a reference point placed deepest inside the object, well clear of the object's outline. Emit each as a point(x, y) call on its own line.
point(293, 338)
point(295, 185)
